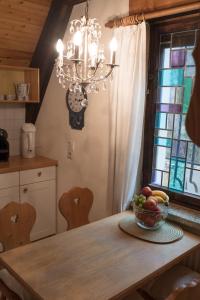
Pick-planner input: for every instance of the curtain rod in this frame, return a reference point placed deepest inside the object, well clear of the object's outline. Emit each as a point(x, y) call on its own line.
point(137, 18)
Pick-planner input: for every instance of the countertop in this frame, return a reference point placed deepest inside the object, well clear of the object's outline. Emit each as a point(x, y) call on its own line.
point(18, 163)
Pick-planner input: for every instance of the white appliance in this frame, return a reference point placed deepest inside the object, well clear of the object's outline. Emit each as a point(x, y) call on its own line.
point(28, 140)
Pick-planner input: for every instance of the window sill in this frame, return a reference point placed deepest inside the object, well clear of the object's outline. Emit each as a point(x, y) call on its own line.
point(187, 218)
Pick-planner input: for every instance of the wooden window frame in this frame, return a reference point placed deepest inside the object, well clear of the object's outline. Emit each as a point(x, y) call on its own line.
point(180, 23)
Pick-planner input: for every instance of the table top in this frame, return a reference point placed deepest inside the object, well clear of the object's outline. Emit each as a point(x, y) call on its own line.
point(18, 163)
point(95, 261)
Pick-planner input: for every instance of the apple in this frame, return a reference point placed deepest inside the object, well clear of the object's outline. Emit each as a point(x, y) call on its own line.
point(149, 221)
point(150, 204)
point(140, 216)
point(146, 191)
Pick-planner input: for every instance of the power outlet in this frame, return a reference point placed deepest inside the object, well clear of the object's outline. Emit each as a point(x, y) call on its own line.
point(70, 149)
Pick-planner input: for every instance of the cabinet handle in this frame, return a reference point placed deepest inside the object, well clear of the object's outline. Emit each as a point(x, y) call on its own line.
point(39, 174)
point(25, 190)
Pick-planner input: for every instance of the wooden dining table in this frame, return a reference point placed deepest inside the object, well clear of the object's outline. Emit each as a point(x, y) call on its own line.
point(95, 261)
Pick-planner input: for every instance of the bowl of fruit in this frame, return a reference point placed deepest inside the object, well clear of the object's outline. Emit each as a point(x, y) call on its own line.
point(151, 208)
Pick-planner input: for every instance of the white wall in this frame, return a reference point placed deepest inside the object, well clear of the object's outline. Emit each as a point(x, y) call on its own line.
point(89, 164)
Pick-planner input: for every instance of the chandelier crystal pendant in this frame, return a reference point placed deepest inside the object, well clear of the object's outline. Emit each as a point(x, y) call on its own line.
point(82, 62)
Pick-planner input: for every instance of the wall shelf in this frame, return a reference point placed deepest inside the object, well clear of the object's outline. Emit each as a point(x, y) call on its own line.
point(9, 75)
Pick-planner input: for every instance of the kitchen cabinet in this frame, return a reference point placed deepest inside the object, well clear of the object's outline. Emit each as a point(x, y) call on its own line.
point(36, 186)
point(8, 195)
point(9, 188)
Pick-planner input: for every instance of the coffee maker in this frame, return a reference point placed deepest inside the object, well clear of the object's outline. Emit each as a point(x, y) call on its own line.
point(4, 145)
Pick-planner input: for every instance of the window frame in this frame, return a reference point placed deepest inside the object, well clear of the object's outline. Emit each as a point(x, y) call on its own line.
point(169, 25)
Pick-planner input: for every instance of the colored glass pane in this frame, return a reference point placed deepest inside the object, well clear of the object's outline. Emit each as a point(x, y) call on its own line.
point(179, 95)
point(165, 56)
point(183, 133)
point(190, 72)
point(193, 167)
point(177, 125)
point(163, 142)
point(177, 173)
point(189, 58)
point(156, 177)
point(170, 121)
point(163, 133)
point(171, 77)
point(193, 154)
point(192, 181)
point(187, 93)
point(169, 108)
point(165, 179)
point(161, 120)
point(161, 158)
point(167, 94)
point(178, 58)
point(179, 149)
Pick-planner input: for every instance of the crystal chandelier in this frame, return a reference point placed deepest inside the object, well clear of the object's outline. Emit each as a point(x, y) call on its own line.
point(81, 63)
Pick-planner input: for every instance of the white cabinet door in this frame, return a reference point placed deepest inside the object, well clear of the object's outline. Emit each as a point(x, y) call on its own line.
point(8, 195)
point(9, 180)
point(42, 196)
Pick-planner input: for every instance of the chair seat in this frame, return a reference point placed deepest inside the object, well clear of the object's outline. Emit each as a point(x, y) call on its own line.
point(14, 285)
point(161, 287)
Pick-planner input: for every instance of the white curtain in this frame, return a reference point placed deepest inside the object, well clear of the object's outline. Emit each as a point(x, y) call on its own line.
point(127, 104)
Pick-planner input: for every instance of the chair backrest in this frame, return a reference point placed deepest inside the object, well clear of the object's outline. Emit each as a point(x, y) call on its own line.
point(75, 206)
point(16, 222)
point(184, 291)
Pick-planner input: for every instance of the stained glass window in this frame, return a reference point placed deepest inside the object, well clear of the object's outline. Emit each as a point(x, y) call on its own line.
point(176, 160)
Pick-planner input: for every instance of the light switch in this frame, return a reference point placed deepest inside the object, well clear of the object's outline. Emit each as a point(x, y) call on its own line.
point(70, 149)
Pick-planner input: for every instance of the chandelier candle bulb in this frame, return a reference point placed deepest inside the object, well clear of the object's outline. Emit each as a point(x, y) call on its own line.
point(60, 50)
point(93, 54)
point(77, 43)
point(113, 49)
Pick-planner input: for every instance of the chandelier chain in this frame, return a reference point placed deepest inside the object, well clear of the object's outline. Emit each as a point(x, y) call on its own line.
point(87, 10)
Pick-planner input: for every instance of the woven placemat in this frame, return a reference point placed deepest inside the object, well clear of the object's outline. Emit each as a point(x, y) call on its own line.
point(167, 233)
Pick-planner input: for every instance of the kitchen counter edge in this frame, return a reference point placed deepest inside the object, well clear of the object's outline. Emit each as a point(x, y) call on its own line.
point(18, 163)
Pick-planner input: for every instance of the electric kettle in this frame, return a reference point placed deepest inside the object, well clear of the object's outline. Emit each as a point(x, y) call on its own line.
point(28, 140)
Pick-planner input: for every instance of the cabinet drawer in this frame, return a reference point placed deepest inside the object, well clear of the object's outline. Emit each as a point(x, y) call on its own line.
point(9, 179)
point(37, 175)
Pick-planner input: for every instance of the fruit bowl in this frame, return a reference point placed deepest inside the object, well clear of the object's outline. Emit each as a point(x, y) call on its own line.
point(151, 208)
point(148, 219)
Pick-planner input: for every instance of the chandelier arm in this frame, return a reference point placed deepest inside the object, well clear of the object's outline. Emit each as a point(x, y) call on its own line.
point(88, 78)
point(106, 76)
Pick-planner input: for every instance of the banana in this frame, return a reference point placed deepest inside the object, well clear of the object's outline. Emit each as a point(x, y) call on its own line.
point(160, 194)
point(159, 199)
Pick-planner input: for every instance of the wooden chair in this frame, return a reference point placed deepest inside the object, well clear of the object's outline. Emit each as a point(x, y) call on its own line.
point(174, 284)
point(16, 222)
point(184, 291)
point(75, 206)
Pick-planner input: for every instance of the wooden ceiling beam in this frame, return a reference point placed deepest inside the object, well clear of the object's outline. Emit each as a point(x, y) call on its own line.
point(45, 53)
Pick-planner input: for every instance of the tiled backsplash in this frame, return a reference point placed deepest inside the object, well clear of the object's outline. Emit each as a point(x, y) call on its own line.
point(12, 117)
